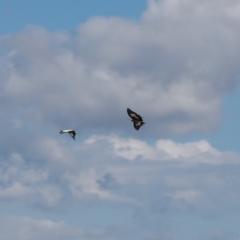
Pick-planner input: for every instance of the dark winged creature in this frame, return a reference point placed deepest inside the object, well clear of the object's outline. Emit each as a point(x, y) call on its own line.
point(136, 119)
point(71, 132)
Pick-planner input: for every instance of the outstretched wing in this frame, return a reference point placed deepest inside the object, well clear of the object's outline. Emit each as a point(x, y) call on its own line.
point(72, 134)
point(137, 125)
point(134, 115)
point(70, 131)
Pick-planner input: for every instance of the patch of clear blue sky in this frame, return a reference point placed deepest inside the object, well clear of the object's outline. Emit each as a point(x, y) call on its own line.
point(227, 137)
point(15, 15)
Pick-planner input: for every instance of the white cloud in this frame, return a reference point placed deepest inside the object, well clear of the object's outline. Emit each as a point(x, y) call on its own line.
point(174, 66)
point(164, 177)
point(132, 149)
point(127, 148)
point(107, 167)
point(176, 150)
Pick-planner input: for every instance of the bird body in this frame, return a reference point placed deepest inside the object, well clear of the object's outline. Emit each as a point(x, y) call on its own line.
point(71, 132)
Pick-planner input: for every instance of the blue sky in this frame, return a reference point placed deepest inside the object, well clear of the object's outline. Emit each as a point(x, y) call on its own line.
point(62, 14)
point(80, 64)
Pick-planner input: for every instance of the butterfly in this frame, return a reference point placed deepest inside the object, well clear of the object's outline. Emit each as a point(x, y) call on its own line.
point(136, 119)
point(71, 132)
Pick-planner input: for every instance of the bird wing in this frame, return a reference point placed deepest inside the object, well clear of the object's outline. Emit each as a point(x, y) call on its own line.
point(137, 125)
point(66, 131)
point(134, 115)
point(72, 134)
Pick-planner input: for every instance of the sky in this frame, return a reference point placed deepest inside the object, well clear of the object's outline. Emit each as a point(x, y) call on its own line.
point(79, 64)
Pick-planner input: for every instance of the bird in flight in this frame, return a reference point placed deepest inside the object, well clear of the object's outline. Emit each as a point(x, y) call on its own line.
point(71, 132)
point(136, 119)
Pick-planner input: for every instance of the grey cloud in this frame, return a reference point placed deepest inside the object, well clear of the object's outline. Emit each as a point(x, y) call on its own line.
point(174, 70)
point(55, 174)
point(94, 172)
point(108, 181)
point(173, 67)
point(25, 228)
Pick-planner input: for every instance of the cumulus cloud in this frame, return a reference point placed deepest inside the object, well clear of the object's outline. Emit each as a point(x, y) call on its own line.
point(153, 180)
point(133, 149)
point(112, 168)
point(174, 66)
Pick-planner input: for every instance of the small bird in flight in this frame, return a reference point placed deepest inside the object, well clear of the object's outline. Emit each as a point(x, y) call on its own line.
point(136, 119)
point(71, 132)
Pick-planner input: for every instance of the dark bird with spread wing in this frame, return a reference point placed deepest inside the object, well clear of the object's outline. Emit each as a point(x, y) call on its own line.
point(71, 132)
point(136, 119)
